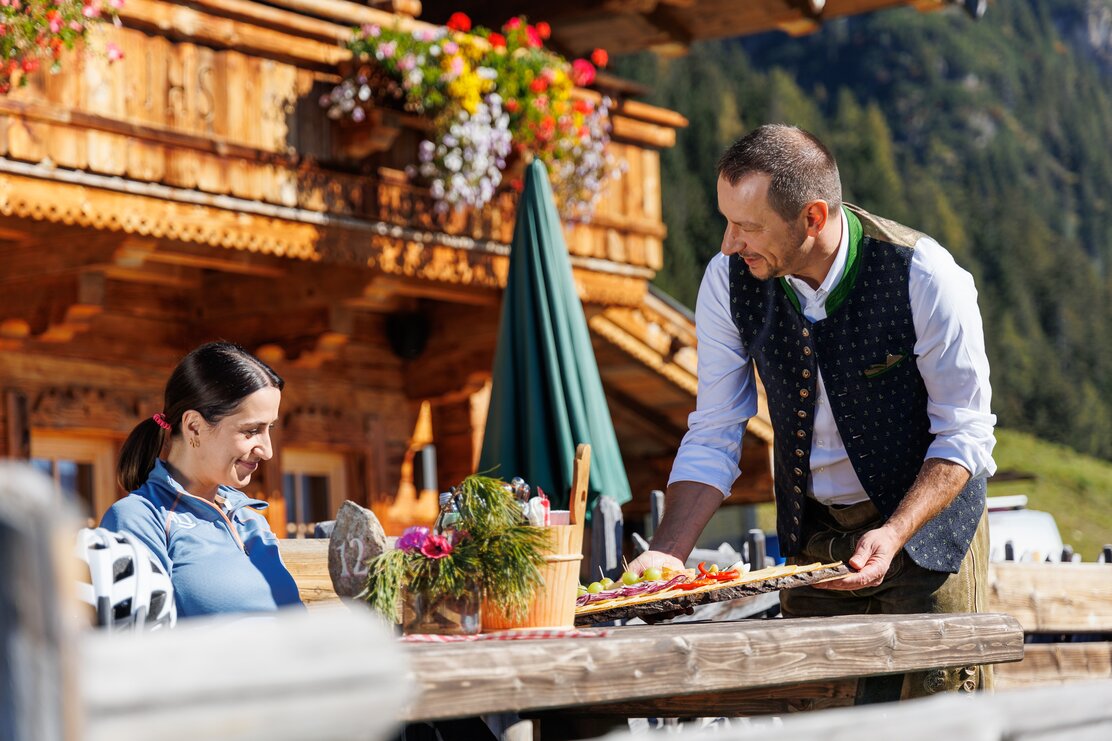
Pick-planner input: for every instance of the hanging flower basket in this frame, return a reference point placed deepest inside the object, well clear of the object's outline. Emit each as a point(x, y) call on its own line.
point(33, 33)
point(492, 97)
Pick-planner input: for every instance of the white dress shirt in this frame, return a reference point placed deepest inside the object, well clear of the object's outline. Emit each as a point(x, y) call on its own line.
point(949, 350)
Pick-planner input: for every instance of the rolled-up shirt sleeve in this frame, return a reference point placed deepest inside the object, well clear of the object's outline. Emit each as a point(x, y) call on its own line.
point(727, 395)
point(950, 352)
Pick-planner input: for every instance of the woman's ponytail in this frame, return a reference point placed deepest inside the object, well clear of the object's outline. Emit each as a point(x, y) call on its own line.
point(138, 454)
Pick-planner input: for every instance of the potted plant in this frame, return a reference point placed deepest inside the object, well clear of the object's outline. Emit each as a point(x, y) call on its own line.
point(440, 578)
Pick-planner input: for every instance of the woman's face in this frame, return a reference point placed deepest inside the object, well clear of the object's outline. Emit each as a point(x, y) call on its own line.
point(231, 450)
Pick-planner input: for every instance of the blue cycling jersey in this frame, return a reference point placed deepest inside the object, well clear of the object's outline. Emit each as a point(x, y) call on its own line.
point(220, 559)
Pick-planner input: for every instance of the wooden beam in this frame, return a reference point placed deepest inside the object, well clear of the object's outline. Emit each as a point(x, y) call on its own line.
point(665, 660)
point(728, 703)
point(180, 22)
point(1053, 597)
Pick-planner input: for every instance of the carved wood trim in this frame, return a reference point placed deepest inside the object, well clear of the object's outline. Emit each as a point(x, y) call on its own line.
point(78, 407)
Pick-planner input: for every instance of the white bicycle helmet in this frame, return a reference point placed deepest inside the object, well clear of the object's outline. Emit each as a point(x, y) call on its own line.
point(126, 585)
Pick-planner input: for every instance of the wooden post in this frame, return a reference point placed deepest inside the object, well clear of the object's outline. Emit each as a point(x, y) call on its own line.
point(17, 428)
point(37, 609)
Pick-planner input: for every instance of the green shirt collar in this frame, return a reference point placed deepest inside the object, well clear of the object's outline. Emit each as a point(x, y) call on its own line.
point(849, 274)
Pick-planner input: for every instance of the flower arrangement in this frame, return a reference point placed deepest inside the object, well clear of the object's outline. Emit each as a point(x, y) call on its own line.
point(490, 94)
point(36, 31)
point(491, 548)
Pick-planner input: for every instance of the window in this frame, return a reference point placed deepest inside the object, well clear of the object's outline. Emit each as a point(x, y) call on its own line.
point(84, 468)
point(313, 484)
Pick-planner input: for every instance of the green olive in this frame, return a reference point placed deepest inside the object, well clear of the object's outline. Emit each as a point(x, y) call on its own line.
point(581, 590)
point(607, 582)
point(594, 588)
point(651, 574)
point(629, 578)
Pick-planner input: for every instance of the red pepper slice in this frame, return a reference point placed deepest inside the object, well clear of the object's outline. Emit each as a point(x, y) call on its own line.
point(685, 586)
point(725, 575)
point(702, 568)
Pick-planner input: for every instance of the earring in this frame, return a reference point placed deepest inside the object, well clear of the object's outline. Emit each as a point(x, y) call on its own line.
point(194, 442)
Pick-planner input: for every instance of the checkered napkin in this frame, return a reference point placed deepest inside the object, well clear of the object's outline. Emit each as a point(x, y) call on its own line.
point(527, 634)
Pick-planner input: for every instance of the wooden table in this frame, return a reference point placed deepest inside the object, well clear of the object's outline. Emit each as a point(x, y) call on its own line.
point(655, 670)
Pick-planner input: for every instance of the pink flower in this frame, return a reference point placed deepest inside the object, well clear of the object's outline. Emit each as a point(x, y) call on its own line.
point(582, 72)
point(115, 53)
point(92, 9)
point(512, 24)
point(55, 20)
point(117, 4)
point(533, 37)
point(412, 539)
point(436, 546)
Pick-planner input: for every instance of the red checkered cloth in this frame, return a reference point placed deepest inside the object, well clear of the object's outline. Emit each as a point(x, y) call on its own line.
point(525, 634)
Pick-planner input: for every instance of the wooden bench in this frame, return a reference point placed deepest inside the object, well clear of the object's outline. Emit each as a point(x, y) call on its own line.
point(1054, 602)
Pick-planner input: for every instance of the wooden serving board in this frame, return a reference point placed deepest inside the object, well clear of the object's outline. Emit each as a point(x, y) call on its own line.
point(754, 582)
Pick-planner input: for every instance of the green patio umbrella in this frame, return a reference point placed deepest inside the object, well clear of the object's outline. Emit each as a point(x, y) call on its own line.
point(547, 395)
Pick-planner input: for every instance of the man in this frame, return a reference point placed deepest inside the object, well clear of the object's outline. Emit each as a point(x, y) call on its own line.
point(869, 344)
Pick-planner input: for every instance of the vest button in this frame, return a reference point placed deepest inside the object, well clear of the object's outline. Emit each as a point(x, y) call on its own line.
point(801, 414)
point(806, 373)
point(797, 490)
point(806, 332)
point(797, 472)
point(804, 393)
point(806, 351)
point(794, 537)
point(798, 506)
point(798, 453)
point(800, 434)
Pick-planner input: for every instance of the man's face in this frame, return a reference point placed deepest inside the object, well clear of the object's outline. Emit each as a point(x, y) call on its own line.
point(770, 246)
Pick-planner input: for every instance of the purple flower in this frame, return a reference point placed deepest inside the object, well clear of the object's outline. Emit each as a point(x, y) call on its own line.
point(413, 539)
point(436, 546)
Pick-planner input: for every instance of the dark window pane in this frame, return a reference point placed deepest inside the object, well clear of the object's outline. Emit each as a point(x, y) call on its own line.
point(316, 499)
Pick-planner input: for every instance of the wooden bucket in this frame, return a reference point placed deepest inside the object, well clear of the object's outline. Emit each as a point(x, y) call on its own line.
point(553, 605)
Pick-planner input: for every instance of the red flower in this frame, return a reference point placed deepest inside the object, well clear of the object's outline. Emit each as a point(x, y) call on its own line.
point(538, 85)
point(582, 106)
point(600, 57)
point(512, 105)
point(512, 25)
point(544, 30)
point(582, 72)
point(436, 546)
point(497, 40)
point(533, 37)
point(459, 22)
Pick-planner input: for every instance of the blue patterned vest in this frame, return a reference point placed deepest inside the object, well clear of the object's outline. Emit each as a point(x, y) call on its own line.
point(865, 348)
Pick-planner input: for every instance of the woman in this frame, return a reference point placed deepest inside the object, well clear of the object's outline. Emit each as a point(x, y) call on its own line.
point(214, 430)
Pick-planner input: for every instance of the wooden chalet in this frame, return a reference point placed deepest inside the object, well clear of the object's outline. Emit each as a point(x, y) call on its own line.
point(196, 190)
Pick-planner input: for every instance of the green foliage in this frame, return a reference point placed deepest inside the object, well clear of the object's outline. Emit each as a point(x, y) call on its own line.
point(992, 136)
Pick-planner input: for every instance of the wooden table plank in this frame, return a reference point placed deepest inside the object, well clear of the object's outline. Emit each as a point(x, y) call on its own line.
point(1057, 663)
point(639, 662)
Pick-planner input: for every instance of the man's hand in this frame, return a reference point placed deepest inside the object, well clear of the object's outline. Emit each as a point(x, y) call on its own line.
point(870, 561)
point(658, 559)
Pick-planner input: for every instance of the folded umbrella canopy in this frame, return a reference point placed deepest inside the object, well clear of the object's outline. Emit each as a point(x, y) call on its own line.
point(547, 394)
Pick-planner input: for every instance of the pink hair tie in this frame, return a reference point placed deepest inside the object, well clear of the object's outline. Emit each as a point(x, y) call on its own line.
point(160, 419)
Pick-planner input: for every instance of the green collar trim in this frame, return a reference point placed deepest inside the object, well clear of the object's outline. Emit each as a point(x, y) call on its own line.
point(841, 291)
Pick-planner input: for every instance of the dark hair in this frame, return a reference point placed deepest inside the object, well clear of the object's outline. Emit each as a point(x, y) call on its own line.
point(802, 168)
point(213, 379)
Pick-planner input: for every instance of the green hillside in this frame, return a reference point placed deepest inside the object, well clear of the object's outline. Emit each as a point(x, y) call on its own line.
point(992, 136)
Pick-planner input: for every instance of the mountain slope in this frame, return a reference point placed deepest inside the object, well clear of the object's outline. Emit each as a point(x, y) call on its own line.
point(992, 136)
